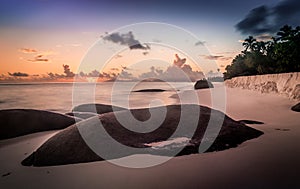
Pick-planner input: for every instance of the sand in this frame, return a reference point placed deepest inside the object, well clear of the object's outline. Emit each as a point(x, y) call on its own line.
point(270, 161)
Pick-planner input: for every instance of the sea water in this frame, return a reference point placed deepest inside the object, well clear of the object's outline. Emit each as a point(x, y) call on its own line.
point(61, 97)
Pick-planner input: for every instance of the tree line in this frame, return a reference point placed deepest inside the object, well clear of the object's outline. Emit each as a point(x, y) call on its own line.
point(281, 54)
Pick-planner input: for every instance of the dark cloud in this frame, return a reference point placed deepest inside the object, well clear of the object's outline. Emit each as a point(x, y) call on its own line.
point(68, 74)
point(125, 68)
point(55, 75)
point(94, 73)
point(212, 74)
point(139, 46)
point(179, 71)
point(126, 39)
point(125, 75)
point(287, 12)
point(108, 75)
point(265, 19)
point(39, 58)
point(153, 73)
point(255, 22)
point(67, 71)
point(199, 43)
point(101, 76)
point(216, 57)
point(18, 74)
point(213, 57)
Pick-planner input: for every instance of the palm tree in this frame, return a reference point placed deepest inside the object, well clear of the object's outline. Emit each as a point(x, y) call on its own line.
point(249, 43)
point(285, 33)
point(261, 47)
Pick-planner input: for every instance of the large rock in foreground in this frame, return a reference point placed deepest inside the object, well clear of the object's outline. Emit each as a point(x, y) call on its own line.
point(68, 146)
point(18, 122)
point(203, 84)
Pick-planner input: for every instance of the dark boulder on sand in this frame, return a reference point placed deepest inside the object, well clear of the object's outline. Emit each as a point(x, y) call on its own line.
point(68, 146)
point(203, 84)
point(296, 107)
point(97, 108)
point(18, 122)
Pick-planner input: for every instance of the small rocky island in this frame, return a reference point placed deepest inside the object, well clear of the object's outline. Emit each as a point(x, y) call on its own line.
point(296, 107)
point(203, 84)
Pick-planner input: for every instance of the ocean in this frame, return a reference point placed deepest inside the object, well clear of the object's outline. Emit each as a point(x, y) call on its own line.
point(61, 97)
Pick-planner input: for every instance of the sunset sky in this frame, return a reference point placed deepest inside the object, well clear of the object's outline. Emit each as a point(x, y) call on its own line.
point(39, 36)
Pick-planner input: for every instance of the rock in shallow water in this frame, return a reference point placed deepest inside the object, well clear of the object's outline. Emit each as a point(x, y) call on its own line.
point(68, 146)
point(150, 90)
point(203, 84)
point(18, 122)
point(296, 107)
point(97, 108)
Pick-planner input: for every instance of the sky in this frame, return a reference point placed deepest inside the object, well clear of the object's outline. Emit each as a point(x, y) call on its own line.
point(38, 37)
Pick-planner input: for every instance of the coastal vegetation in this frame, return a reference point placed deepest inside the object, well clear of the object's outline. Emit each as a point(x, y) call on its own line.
point(280, 54)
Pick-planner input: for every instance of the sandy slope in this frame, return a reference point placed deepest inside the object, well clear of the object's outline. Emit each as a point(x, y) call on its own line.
point(285, 84)
point(271, 161)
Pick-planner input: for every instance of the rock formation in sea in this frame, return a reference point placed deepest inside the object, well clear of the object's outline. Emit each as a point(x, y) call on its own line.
point(203, 84)
point(150, 90)
point(97, 108)
point(296, 107)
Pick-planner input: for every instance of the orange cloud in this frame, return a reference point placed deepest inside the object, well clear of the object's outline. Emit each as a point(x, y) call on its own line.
point(178, 61)
point(28, 50)
point(39, 58)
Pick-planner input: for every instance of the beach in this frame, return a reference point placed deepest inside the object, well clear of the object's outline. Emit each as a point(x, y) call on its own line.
point(150, 94)
point(269, 161)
